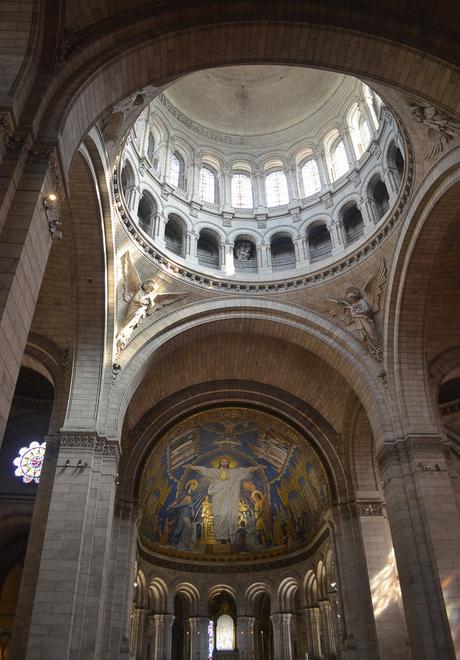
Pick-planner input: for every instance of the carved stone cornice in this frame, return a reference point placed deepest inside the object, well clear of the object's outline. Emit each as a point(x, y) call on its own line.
point(89, 441)
point(210, 134)
point(413, 449)
point(370, 508)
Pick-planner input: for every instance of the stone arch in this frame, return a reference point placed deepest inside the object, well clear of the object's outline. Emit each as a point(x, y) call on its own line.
point(288, 591)
point(311, 331)
point(431, 216)
point(107, 85)
point(159, 595)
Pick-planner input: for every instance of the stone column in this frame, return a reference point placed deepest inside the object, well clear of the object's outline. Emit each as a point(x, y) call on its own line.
point(424, 522)
point(226, 258)
point(160, 633)
point(291, 177)
point(196, 167)
point(258, 190)
point(137, 634)
point(311, 619)
point(246, 640)
point(349, 149)
point(327, 624)
point(282, 635)
point(368, 214)
point(350, 561)
point(68, 611)
point(337, 234)
point(31, 569)
point(25, 243)
point(197, 637)
point(384, 582)
point(320, 157)
point(226, 197)
point(391, 180)
point(117, 621)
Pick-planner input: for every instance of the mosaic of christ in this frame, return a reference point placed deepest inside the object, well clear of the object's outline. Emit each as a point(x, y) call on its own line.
point(231, 481)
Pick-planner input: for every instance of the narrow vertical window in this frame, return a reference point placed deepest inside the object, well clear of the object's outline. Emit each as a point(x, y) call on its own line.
point(242, 191)
point(276, 189)
point(310, 178)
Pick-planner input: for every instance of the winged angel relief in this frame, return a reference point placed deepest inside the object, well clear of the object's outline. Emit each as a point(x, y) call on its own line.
point(358, 310)
point(143, 298)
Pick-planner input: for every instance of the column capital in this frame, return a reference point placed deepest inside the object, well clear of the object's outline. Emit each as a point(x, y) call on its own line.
point(427, 451)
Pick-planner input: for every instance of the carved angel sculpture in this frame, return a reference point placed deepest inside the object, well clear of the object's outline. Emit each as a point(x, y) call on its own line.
point(440, 128)
point(359, 310)
point(143, 297)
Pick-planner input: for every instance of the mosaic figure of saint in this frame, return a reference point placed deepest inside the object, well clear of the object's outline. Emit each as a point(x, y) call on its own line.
point(224, 494)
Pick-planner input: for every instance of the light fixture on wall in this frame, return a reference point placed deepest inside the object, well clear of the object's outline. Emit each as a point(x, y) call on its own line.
point(54, 222)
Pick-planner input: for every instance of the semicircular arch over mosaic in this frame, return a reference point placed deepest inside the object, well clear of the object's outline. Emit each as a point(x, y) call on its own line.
point(231, 483)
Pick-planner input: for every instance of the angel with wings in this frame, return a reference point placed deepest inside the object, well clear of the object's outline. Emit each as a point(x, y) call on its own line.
point(360, 309)
point(441, 128)
point(143, 297)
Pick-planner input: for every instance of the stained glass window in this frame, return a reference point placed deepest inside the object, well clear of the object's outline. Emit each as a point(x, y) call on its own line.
point(225, 634)
point(210, 639)
point(276, 189)
point(174, 172)
point(310, 178)
point(339, 160)
point(207, 186)
point(242, 191)
point(30, 461)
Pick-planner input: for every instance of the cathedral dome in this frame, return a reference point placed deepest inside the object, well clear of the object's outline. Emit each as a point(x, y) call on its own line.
point(261, 174)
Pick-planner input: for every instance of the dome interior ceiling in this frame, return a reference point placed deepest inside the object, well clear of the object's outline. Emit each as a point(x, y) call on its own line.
point(254, 100)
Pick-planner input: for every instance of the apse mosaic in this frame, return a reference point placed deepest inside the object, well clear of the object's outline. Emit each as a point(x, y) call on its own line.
point(231, 482)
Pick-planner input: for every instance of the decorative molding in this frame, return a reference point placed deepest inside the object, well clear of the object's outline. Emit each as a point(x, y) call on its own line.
point(208, 133)
point(370, 508)
point(85, 441)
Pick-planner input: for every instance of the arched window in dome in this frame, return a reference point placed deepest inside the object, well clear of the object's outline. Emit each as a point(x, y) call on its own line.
point(146, 213)
point(352, 222)
point(339, 160)
point(151, 148)
point(319, 242)
point(374, 103)
point(282, 252)
point(311, 181)
point(379, 196)
point(359, 131)
point(208, 250)
point(177, 171)
point(208, 185)
point(242, 191)
point(276, 189)
point(174, 235)
point(128, 182)
point(225, 633)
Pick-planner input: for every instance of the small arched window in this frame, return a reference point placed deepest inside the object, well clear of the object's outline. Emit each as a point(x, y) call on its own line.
point(151, 148)
point(208, 250)
point(177, 171)
point(319, 242)
point(242, 191)
point(359, 131)
point(352, 222)
point(174, 235)
point(276, 189)
point(339, 160)
point(208, 185)
point(380, 197)
point(146, 213)
point(311, 181)
point(225, 633)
